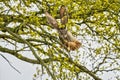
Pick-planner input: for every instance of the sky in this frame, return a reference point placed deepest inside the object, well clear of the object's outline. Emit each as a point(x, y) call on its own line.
point(8, 73)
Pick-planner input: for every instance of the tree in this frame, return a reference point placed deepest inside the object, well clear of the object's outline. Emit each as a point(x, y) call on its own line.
point(96, 23)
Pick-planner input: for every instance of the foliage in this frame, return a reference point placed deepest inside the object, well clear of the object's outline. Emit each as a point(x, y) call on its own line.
point(96, 23)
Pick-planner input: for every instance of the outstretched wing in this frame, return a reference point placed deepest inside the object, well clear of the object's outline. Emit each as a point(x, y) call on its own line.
point(63, 15)
point(51, 20)
point(62, 11)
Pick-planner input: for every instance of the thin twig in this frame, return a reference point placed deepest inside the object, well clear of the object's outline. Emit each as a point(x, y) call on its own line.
point(10, 64)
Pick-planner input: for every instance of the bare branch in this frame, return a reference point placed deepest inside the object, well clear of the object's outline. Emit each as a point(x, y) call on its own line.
point(33, 51)
point(10, 64)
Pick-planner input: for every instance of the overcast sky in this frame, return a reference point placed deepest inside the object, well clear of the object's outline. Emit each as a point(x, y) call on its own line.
point(7, 73)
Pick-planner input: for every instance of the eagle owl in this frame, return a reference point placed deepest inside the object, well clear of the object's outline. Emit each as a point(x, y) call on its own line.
point(65, 36)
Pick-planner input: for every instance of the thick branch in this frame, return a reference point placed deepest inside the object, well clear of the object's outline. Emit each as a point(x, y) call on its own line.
point(33, 51)
point(23, 58)
point(19, 56)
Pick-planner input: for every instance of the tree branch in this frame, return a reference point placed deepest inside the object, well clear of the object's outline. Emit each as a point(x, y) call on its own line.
point(10, 64)
point(17, 55)
point(84, 69)
point(33, 51)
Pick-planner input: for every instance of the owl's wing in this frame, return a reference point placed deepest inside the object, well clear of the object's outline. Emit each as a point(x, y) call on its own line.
point(63, 14)
point(52, 21)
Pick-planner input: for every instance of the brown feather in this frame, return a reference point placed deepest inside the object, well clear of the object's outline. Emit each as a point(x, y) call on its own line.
point(52, 21)
point(64, 20)
point(73, 45)
point(62, 11)
point(63, 15)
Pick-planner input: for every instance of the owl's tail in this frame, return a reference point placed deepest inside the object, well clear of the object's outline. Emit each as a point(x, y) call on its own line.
point(73, 45)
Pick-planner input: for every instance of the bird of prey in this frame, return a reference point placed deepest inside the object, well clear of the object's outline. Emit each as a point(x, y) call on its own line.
point(65, 36)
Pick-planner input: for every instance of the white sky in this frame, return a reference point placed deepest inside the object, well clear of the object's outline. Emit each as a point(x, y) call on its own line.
point(7, 73)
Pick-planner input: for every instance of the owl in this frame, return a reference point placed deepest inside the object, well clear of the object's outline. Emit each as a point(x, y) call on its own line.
point(65, 36)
